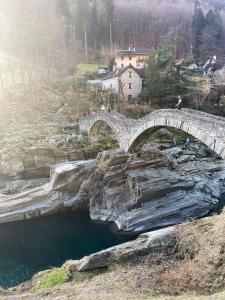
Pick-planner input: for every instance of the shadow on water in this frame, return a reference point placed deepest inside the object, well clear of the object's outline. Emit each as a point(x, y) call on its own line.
point(30, 246)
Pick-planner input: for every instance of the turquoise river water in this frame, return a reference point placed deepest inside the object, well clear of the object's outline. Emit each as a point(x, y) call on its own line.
point(30, 246)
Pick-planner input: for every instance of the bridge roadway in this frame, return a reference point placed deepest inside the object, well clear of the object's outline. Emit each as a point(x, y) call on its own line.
point(132, 134)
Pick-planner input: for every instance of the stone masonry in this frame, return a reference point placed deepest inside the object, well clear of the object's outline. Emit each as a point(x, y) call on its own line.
point(132, 134)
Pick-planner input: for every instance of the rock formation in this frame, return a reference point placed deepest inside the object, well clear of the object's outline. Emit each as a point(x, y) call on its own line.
point(146, 243)
point(140, 192)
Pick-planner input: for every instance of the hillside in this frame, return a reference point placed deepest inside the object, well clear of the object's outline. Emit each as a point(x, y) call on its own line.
point(80, 30)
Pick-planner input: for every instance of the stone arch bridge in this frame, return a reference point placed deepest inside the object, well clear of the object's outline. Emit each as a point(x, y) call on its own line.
point(132, 134)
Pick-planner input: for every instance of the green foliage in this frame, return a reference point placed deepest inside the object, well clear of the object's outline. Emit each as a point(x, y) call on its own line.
point(212, 109)
point(136, 114)
point(90, 151)
point(72, 70)
point(198, 23)
point(165, 79)
point(108, 143)
point(87, 68)
point(56, 277)
point(109, 7)
point(89, 76)
point(81, 18)
point(111, 60)
point(94, 30)
point(207, 34)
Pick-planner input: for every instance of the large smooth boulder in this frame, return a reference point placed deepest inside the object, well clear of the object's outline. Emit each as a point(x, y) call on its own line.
point(146, 243)
point(61, 192)
point(173, 152)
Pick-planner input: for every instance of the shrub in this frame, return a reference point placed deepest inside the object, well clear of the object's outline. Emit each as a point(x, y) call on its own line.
point(72, 70)
point(56, 277)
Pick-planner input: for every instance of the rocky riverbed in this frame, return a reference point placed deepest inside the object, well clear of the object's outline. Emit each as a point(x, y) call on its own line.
point(36, 133)
point(151, 190)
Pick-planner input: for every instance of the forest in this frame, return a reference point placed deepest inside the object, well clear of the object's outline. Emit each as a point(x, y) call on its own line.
point(53, 35)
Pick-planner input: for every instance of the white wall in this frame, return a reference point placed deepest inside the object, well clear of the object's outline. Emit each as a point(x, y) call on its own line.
point(135, 80)
point(111, 84)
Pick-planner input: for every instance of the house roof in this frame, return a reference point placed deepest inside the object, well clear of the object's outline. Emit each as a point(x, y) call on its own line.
point(94, 82)
point(103, 68)
point(119, 72)
point(134, 51)
point(141, 72)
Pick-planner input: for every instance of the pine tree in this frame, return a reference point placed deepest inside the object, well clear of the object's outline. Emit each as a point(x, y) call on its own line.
point(198, 23)
point(109, 7)
point(164, 78)
point(94, 27)
point(212, 38)
point(63, 9)
point(81, 21)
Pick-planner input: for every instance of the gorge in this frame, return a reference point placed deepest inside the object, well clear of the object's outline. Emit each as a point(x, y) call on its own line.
point(155, 188)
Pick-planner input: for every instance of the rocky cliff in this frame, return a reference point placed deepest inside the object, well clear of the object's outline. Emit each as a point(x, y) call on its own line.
point(140, 192)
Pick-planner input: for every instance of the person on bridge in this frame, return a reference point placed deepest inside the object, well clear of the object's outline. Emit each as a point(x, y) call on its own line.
point(179, 104)
point(103, 107)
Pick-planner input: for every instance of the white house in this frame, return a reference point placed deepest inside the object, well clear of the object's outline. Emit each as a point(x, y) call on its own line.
point(131, 80)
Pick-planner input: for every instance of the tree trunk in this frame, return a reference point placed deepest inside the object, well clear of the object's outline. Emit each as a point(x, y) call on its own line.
point(85, 43)
point(110, 29)
point(2, 85)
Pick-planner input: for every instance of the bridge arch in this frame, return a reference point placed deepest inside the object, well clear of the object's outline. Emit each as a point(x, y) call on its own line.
point(96, 126)
point(131, 134)
point(208, 129)
point(141, 139)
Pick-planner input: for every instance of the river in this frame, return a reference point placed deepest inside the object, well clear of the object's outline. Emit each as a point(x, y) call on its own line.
point(30, 246)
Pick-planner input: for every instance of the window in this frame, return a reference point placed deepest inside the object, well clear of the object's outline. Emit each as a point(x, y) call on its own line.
point(130, 86)
point(130, 58)
point(122, 65)
point(130, 74)
point(122, 57)
point(130, 97)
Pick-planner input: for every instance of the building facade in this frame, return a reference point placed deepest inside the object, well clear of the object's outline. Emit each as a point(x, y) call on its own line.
point(131, 81)
point(136, 57)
